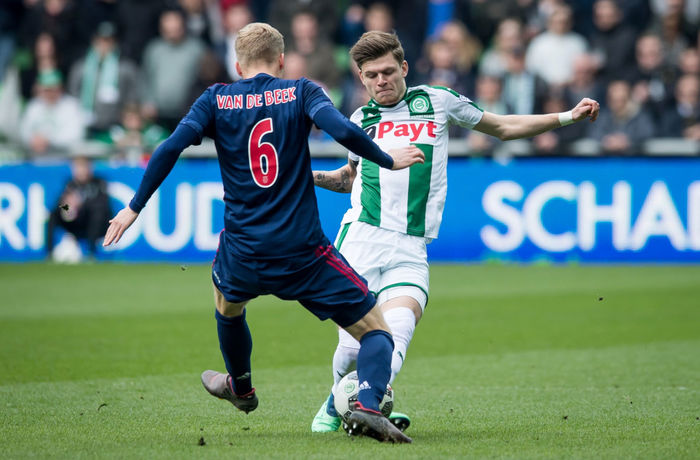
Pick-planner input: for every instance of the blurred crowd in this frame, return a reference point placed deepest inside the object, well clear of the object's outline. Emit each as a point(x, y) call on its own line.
point(121, 73)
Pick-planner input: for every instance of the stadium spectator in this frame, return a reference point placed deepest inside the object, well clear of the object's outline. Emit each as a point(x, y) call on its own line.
point(378, 17)
point(10, 18)
point(170, 66)
point(583, 81)
point(537, 16)
point(612, 40)
point(440, 12)
point(410, 21)
point(683, 118)
point(652, 77)
point(623, 124)
point(318, 51)
point(354, 92)
point(637, 13)
point(11, 103)
point(259, 8)
point(282, 12)
point(214, 12)
point(558, 141)
point(44, 57)
point(439, 67)
point(456, 43)
point(53, 122)
point(91, 13)
point(295, 66)
point(134, 138)
point(351, 24)
point(209, 71)
point(484, 17)
point(235, 18)
point(669, 28)
point(509, 36)
point(273, 242)
point(197, 20)
point(686, 12)
point(137, 23)
point(552, 53)
point(104, 82)
point(83, 209)
point(689, 62)
point(393, 216)
point(523, 91)
point(488, 96)
point(464, 45)
point(57, 18)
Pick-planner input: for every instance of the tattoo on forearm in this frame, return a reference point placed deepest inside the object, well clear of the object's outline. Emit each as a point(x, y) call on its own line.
point(335, 182)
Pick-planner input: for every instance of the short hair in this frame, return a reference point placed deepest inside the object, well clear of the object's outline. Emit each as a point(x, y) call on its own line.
point(375, 44)
point(259, 42)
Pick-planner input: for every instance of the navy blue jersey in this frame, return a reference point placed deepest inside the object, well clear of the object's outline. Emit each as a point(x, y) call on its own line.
point(260, 126)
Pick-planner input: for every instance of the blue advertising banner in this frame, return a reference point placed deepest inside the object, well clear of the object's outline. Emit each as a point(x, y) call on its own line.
point(532, 209)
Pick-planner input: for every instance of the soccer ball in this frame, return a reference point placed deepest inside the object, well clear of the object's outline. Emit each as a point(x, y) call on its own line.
point(345, 396)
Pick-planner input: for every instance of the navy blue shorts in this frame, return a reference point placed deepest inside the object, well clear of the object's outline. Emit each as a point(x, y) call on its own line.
point(324, 283)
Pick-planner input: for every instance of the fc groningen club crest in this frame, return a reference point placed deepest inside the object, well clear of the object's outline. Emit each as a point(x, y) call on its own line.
point(419, 104)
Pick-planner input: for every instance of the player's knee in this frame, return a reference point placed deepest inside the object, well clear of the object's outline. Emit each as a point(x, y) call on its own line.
point(226, 308)
point(230, 310)
point(372, 321)
point(410, 297)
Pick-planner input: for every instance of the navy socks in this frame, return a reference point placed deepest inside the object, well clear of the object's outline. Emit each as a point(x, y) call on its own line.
point(236, 346)
point(374, 367)
point(330, 407)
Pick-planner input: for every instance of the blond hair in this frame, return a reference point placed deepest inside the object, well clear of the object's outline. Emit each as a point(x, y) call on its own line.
point(375, 44)
point(259, 42)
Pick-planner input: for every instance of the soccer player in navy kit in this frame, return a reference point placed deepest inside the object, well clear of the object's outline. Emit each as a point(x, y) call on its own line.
point(272, 241)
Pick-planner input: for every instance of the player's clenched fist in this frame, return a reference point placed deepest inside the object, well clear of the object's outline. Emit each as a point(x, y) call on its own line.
point(118, 225)
point(406, 156)
point(586, 108)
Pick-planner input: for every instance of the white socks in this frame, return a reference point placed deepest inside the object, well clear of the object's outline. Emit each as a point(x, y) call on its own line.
point(402, 323)
point(345, 357)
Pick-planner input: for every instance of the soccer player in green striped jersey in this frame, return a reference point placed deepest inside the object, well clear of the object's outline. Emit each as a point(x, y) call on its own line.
point(394, 214)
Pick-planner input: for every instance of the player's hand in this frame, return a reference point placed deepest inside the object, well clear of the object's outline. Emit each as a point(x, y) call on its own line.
point(587, 108)
point(118, 225)
point(406, 156)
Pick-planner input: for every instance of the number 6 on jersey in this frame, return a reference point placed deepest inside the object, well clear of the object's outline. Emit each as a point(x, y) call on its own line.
point(262, 156)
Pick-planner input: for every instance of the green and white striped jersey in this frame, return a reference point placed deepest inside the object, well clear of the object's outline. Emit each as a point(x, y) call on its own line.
point(410, 200)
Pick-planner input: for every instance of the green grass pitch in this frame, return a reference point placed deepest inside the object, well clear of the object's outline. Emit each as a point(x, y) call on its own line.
point(103, 361)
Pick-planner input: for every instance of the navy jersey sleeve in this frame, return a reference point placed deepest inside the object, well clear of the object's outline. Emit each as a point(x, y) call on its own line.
point(162, 162)
point(321, 110)
point(314, 98)
point(201, 115)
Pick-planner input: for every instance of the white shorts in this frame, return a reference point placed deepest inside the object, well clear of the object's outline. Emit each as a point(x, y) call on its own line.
point(393, 263)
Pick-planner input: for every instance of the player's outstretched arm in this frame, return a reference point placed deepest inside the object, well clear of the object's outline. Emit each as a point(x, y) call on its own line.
point(356, 140)
point(509, 127)
point(338, 180)
point(160, 165)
